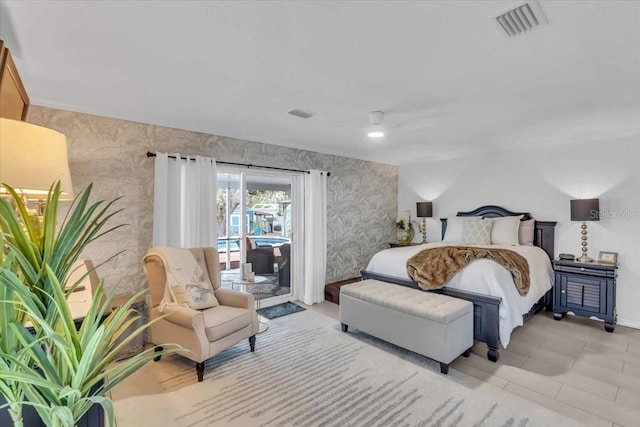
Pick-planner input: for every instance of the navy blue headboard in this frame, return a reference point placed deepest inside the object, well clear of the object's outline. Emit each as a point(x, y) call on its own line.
point(544, 235)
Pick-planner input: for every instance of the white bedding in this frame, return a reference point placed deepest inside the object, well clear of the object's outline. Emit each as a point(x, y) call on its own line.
point(482, 276)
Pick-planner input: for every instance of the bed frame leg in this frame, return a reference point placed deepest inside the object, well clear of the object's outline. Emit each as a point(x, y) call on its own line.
point(345, 328)
point(548, 300)
point(493, 354)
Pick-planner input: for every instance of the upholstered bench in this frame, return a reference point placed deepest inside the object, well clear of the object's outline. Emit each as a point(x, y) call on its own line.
point(437, 326)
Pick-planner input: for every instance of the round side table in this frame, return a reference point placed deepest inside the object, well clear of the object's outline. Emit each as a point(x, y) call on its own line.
point(242, 286)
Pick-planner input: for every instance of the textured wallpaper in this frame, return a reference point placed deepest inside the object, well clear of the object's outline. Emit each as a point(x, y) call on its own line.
point(111, 154)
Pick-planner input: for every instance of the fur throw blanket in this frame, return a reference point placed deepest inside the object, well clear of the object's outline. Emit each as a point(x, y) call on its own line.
point(433, 268)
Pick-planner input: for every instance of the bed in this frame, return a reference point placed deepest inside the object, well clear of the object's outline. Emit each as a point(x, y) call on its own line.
point(487, 325)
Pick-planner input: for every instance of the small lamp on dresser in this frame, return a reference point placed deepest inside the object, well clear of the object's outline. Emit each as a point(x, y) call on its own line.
point(585, 210)
point(424, 210)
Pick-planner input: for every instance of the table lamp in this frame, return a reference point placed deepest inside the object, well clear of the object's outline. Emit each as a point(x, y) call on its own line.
point(585, 210)
point(424, 210)
point(32, 158)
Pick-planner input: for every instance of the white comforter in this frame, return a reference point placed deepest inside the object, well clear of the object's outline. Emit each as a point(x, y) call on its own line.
point(482, 276)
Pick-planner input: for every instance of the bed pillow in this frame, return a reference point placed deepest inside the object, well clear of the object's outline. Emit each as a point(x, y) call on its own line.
point(453, 234)
point(526, 232)
point(477, 232)
point(505, 230)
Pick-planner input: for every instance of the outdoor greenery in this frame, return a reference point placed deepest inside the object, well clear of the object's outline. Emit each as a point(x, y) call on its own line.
point(254, 197)
point(45, 360)
point(267, 196)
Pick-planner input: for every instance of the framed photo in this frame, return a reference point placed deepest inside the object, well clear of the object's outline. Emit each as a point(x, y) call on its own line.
point(608, 257)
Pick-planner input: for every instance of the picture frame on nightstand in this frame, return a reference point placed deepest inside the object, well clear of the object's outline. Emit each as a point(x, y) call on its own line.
point(605, 257)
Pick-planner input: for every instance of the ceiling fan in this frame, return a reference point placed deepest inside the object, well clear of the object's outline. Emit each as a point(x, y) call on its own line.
point(376, 130)
point(380, 124)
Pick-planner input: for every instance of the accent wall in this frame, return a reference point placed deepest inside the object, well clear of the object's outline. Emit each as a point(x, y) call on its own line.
point(111, 154)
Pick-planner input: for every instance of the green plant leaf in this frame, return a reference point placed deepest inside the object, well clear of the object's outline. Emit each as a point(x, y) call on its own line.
point(60, 370)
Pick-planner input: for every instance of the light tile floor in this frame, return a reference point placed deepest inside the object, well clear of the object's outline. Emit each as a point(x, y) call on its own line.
point(570, 366)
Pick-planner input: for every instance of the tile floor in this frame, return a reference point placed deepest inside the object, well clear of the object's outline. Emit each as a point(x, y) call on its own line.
point(570, 366)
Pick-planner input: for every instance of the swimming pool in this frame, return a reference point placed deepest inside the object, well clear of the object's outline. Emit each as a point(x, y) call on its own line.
point(260, 241)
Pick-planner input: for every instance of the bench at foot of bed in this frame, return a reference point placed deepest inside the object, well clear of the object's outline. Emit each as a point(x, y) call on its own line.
point(437, 326)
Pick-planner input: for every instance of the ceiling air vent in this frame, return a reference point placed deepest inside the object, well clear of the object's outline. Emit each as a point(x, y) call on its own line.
point(520, 18)
point(300, 113)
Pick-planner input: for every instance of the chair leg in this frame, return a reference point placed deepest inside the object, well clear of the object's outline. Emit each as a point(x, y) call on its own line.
point(200, 371)
point(158, 349)
point(252, 343)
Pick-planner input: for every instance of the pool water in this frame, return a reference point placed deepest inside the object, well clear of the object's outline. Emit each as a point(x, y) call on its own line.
point(260, 241)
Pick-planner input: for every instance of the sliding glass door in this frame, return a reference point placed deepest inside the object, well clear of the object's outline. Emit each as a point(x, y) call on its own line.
point(257, 217)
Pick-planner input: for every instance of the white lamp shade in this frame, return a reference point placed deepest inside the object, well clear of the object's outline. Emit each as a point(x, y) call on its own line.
point(32, 158)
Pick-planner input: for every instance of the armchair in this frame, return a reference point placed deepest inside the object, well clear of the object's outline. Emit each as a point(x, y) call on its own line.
point(284, 265)
point(262, 258)
point(204, 332)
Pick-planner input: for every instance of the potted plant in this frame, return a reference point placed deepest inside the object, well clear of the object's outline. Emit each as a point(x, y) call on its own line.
point(404, 230)
point(47, 362)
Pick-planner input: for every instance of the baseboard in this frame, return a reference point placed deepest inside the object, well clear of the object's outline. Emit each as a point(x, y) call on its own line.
point(628, 323)
point(619, 321)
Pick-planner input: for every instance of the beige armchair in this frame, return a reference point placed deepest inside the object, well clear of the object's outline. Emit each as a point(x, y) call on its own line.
point(203, 332)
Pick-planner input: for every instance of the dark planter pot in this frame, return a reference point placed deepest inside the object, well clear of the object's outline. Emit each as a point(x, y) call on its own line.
point(93, 418)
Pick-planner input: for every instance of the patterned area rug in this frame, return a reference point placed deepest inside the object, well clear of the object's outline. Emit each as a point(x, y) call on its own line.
point(305, 371)
point(280, 310)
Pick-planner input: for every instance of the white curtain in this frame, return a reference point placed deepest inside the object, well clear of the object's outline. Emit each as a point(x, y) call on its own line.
point(184, 208)
point(315, 236)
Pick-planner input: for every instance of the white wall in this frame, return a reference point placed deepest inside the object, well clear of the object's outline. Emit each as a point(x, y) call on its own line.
point(542, 181)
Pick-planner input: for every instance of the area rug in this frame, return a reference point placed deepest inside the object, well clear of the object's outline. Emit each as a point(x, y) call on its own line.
point(280, 310)
point(305, 371)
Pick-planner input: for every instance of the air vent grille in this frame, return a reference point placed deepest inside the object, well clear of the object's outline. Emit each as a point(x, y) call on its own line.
point(300, 113)
point(521, 18)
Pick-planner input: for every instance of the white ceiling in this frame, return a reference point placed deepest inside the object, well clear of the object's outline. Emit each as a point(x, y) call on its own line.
point(450, 82)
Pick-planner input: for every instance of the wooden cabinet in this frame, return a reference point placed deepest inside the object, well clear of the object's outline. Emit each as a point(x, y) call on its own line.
point(585, 289)
point(14, 101)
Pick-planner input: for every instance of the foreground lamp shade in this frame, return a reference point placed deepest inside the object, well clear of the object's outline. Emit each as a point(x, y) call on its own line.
point(585, 210)
point(32, 158)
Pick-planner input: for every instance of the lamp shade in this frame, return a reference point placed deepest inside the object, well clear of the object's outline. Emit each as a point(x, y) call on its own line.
point(585, 210)
point(424, 209)
point(32, 158)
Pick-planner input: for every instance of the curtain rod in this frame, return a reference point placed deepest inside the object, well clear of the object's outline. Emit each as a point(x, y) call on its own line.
point(249, 165)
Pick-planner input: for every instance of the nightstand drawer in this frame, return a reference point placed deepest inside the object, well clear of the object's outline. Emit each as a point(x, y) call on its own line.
point(585, 269)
